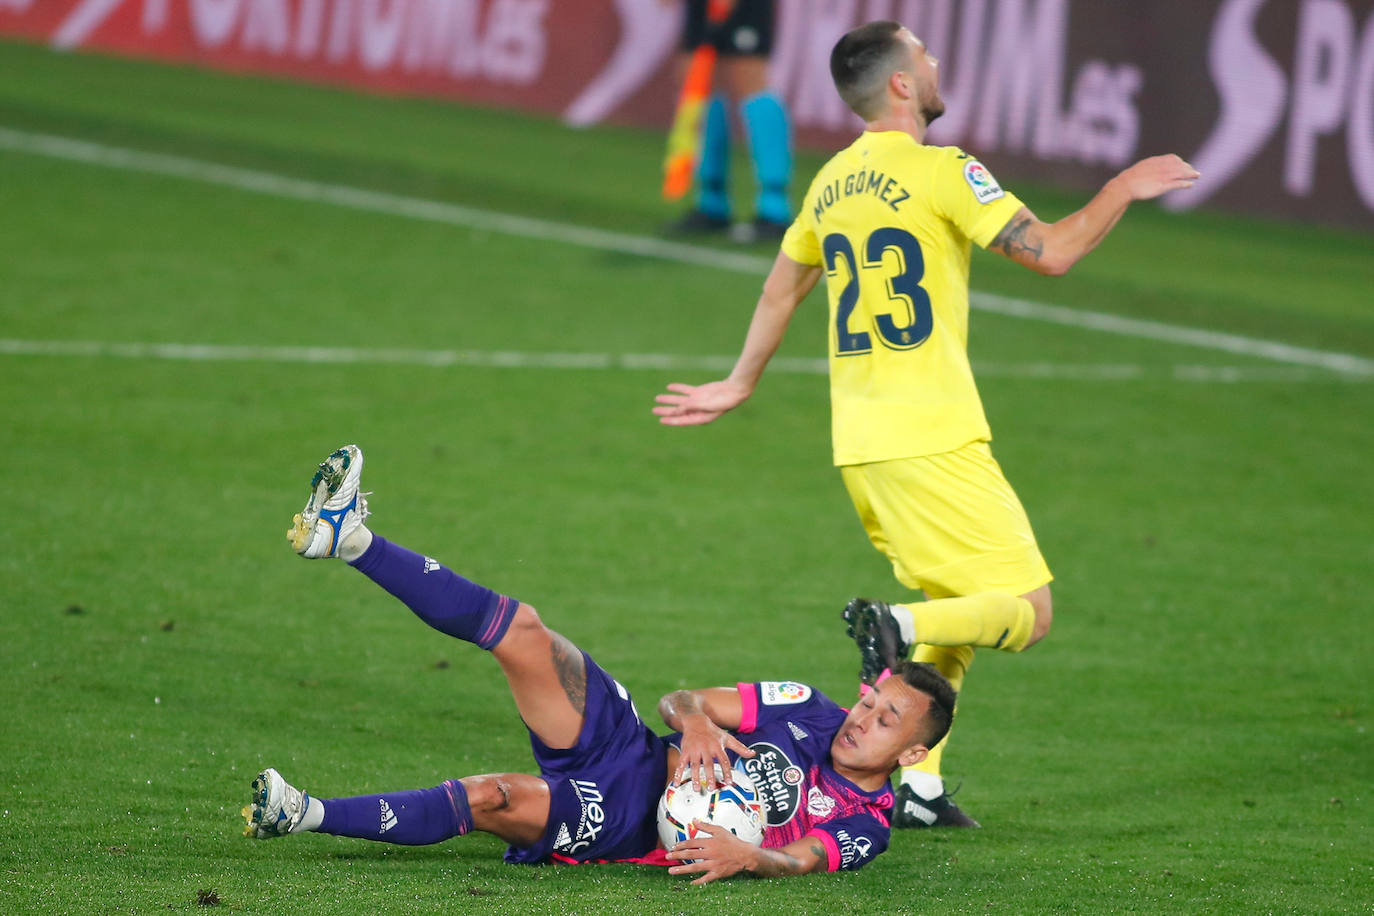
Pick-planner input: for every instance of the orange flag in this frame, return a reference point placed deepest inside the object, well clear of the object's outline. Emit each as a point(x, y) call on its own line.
point(684, 138)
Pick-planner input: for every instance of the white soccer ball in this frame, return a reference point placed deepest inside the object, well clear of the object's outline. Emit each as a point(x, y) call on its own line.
point(738, 808)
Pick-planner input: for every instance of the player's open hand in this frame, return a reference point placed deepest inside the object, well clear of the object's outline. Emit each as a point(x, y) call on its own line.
point(713, 853)
point(704, 747)
point(1149, 178)
point(693, 405)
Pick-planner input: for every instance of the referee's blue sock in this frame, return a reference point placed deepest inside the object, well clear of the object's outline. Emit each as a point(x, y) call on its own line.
point(713, 165)
point(770, 146)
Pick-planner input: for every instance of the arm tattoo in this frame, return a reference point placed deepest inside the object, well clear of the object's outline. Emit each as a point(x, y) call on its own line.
point(572, 673)
point(777, 862)
point(1015, 239)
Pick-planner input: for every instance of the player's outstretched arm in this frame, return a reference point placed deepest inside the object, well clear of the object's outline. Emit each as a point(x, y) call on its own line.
point(692, 405)
point(717, 853)
point(1052, 248)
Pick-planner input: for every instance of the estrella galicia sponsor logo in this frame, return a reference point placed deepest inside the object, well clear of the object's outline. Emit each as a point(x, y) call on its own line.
point(778, 780)
point(984, 186)
point(782, 693)
point(853, 849)
point(592, 819)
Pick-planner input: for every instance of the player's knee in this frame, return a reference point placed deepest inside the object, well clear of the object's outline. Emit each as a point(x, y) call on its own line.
point(525, 636)
point(487, 793)
point(526, 623)
point(513, 806)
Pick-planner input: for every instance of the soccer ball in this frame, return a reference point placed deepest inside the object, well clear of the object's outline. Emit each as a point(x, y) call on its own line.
point(738, 808)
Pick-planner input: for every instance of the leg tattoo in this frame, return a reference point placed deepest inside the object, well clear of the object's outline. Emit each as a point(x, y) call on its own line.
point(572, 672)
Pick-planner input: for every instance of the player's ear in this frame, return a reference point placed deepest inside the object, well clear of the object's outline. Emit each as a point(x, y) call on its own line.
point(913, 755)
point(900, 82)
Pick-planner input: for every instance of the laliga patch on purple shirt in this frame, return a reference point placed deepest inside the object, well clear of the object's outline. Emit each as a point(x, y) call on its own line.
point(783, 693)
point(984, 186)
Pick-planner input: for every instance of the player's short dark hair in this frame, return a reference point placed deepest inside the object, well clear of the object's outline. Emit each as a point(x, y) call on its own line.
point(924, 677)
point(861, 62)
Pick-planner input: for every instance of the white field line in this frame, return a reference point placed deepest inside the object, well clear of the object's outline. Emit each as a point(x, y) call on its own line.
point(606, 240)
point(508, 359)
point(1194, 337)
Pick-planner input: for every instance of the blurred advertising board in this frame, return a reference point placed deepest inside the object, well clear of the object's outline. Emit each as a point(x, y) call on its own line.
point(1273, 100)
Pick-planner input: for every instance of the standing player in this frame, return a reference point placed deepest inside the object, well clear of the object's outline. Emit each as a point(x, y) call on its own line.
point(823, 769)
point(889, 222)
point(743, 39)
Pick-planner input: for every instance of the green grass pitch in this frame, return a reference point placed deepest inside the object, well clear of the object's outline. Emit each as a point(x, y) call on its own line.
point(1194, 736)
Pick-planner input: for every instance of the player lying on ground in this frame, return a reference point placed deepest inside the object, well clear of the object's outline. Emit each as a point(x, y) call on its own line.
point(823, 769)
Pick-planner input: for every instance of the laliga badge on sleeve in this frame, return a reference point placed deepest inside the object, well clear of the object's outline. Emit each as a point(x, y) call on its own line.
point(984, 186)
point(782, 693)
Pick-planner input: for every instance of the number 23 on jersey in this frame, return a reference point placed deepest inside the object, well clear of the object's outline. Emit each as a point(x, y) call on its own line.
point(883, 295)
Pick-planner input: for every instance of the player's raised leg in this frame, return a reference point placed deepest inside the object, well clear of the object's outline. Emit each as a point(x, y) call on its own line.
point(990, 620)
point(546, 672)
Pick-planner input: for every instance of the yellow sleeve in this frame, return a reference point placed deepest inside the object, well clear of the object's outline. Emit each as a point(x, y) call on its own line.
point(800, 242)
point(964, 192)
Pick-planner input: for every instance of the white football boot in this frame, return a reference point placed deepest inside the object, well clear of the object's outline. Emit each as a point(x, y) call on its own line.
point(277, 807)
point(335, 508)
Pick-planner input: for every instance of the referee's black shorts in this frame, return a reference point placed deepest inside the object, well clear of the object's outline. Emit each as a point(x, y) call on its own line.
point(747, 31)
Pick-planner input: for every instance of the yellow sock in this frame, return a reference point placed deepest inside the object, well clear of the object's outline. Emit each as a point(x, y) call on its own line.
point(953, 662)
point(993, 620)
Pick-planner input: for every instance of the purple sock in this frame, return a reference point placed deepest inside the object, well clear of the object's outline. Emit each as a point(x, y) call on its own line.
point(438, 596)
point(415, 817)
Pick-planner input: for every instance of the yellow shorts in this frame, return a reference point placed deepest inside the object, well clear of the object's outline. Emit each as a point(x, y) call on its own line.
point(950, 523)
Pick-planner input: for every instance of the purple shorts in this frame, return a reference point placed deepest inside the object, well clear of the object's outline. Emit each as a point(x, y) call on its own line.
point(604, 791)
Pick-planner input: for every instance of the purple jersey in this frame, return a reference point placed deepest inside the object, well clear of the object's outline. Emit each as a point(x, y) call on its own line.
point(789, 726)
point(603, 792)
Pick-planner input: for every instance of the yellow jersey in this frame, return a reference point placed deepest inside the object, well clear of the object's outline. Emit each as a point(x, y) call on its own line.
point(890, 221)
